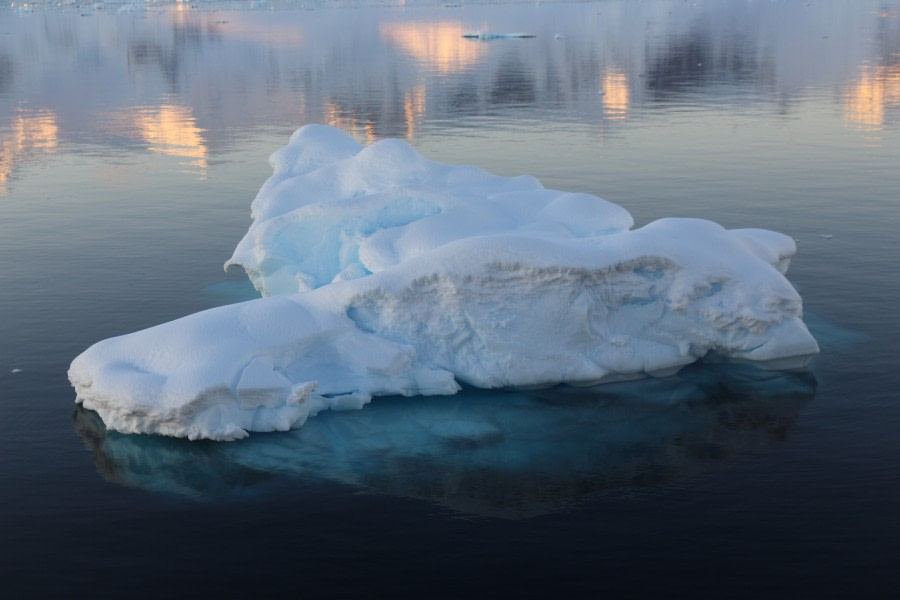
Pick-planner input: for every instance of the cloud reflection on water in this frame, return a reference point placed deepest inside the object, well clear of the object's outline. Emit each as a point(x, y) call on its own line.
point(498, 454)
point(390, 73)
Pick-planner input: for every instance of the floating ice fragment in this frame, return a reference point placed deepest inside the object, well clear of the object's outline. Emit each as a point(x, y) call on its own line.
point(825, 236)
point(418, 276)
point(489, 35)
point(16, 371)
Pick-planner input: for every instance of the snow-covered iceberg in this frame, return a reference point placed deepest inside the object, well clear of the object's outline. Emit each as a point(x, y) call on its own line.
point(391, 274)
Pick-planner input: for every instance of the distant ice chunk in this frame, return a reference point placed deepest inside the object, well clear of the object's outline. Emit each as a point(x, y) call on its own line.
point(422, 276)
point(490, 35)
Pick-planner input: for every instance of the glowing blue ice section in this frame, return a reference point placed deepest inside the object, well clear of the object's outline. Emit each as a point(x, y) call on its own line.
point(502, 454)
point(389, 274)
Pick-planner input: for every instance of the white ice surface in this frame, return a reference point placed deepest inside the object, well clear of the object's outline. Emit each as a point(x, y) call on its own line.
point(422, 276)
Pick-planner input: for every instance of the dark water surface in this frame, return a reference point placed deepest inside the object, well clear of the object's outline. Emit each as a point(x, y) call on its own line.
point(131, 145)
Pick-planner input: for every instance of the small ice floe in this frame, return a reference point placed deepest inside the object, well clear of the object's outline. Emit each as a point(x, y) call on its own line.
point(16, 371)
point(825, 236)
point(489, 35)
point(559, 36)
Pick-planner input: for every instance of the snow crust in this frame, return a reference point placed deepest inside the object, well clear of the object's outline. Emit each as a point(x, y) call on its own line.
point(387, 273)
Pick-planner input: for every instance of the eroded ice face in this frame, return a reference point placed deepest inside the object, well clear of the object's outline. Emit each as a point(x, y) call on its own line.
point(391, 274)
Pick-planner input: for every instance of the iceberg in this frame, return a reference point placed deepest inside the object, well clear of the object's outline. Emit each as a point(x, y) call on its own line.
point(385, 273)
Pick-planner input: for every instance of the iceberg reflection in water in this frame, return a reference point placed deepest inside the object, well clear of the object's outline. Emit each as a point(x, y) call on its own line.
point(509, 454)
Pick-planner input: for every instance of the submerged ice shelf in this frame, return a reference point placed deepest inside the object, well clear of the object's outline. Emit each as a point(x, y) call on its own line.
point(508, 454)
point(391, 274)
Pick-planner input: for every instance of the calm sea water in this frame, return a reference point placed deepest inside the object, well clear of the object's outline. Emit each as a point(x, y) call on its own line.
point(132, 142)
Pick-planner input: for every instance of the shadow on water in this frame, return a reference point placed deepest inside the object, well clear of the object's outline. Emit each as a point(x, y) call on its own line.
point(508, 454)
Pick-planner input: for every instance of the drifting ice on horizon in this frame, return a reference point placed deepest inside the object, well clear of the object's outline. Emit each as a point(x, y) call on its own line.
point(387, 273)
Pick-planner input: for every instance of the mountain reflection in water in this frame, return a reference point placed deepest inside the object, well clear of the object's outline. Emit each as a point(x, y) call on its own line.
point(508, 454)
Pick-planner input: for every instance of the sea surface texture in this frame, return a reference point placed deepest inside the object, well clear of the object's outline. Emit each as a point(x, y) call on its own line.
point(134, 139)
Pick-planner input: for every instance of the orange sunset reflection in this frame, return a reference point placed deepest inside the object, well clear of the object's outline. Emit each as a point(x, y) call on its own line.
point(361, 128)
point(413, 109)
point(31, 134)
point(867, 99)
point(616, 95)
point(172, 130)
point(439, 45)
